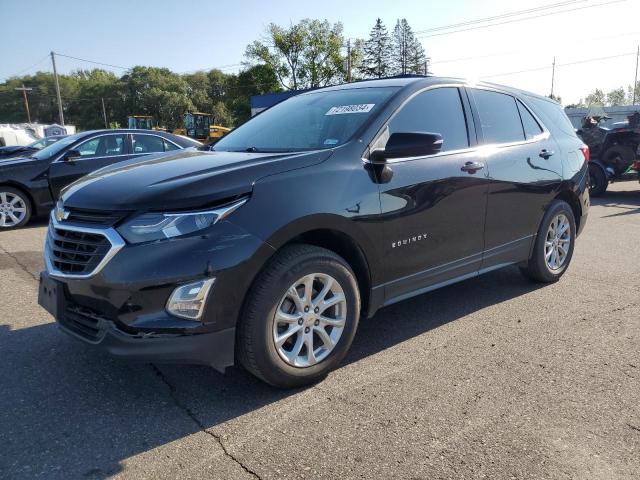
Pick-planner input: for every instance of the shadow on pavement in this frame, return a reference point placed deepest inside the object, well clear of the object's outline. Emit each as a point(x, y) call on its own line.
point(629, 201)
point(69, 411)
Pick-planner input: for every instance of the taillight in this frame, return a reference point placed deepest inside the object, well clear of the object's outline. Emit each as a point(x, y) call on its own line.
point(636, 165)
point(585, 151)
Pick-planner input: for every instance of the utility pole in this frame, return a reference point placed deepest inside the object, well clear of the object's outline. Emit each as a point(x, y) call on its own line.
point(104, 113)
point(55, 75)
point(635, 82)
point(24, 91)
point(349, 61)
point(553, 75)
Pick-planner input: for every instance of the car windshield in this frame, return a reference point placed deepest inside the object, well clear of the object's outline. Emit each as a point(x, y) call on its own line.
point(309, 121)
point(55, 148)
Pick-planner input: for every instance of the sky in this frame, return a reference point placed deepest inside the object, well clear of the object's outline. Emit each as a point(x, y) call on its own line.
point(189, 35)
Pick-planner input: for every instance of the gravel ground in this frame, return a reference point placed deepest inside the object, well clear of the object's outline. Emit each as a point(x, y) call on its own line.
point(494, 377)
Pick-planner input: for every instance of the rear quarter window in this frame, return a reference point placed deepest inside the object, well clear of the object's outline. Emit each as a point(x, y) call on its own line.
point(552, 114)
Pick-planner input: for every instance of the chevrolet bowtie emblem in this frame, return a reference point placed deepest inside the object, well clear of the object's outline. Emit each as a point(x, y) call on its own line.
point(60, 213)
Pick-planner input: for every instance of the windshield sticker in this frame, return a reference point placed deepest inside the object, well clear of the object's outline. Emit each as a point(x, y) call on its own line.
point(343, 109)
point(331, 141)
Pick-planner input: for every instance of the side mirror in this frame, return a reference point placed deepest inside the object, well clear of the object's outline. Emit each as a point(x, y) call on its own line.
point(71, 155)
point(409, 144)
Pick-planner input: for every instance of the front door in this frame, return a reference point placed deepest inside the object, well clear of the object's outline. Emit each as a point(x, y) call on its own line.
point(434, 206)
point(95, 153)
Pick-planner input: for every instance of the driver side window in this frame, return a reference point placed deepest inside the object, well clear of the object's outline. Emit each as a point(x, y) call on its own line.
point(103, 146)
point(435, 111)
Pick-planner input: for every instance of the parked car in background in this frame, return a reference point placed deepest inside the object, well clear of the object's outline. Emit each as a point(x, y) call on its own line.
point(29, 185)
point(27, 150)
point(323, 208)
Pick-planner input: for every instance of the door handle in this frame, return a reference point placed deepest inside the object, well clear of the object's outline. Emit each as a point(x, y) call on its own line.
point(472, 167)
point(546, 153)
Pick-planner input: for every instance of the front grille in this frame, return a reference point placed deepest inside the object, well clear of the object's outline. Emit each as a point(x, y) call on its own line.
point(83, 322)
point(94, 217)
point(75, 252)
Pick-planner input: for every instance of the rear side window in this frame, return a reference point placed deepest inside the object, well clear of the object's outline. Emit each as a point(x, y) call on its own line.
point(531, 126)
point(168, 146)
point(147, 144)
point(499, 117)
point(435, 111)
point(552, 114)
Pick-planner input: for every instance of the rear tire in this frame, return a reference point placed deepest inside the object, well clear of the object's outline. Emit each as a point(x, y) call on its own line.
point(15, 208)
point(288, 300)
point(598, 181)
point(553, 248)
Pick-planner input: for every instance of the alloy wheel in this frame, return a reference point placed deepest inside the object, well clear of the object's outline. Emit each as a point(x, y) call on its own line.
point(557, 242)
point(13, 209)
point(309, 320)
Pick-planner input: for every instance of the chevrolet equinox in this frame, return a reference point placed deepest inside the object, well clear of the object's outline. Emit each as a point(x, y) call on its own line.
point(320, 210)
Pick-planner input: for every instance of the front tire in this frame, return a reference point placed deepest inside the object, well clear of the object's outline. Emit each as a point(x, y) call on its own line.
point(15, 208)
point(300, 317)
point(553, 248)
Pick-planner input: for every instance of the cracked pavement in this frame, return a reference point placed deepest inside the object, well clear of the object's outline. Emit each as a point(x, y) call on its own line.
point(494, 377)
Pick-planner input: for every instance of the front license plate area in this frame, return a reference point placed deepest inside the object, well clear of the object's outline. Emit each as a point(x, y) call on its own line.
point(51, 295)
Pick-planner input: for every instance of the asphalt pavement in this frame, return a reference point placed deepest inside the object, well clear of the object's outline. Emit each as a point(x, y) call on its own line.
point(494, 377)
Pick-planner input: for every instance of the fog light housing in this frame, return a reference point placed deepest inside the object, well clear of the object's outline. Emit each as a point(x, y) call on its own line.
point(188, 301)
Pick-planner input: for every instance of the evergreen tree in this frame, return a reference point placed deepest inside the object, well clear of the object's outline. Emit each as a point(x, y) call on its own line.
point(376, 62)
point(408, 55)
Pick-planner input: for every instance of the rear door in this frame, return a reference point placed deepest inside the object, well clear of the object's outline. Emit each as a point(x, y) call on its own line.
point(95, 152)
point(524, 168)
point(433, 207)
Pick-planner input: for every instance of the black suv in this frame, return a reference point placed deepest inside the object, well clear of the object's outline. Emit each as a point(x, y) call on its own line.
point(320, 210)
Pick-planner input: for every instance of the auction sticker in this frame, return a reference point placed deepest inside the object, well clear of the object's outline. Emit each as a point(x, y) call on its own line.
point(344, 109)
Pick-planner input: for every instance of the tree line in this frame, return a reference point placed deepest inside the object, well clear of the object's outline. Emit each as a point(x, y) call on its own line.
point(308, 54)
point(613, 98)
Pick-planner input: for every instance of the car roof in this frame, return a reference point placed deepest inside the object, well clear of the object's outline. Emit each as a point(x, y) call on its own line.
point(425, 81)
point(179, 139)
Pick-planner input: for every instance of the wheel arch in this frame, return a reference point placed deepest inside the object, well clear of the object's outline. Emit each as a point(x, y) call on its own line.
point(570, 197)
point(345, 246)
point(337, 234)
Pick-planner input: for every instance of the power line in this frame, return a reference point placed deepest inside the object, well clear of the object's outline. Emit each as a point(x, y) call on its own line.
point(515, 20)
point(519, 51)
point(577, 62)
point(501, 16)
point(94, 62)
point(28, 68)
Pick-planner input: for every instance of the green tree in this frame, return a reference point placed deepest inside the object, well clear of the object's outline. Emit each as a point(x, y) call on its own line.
point(617, 97)
point(322, 61)
point(282, 51)
point(157, 92)
point(408, 54)
point(304, 55)
point(376, 62)
point(596, 98)
point(254, 80)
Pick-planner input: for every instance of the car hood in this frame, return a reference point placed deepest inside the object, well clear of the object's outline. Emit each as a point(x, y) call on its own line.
point(17, 160)
point(179, 180)
point(13, 149)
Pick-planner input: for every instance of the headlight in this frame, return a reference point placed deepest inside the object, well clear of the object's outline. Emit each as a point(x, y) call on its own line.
point(159, 226)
